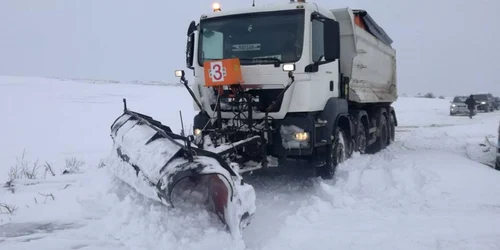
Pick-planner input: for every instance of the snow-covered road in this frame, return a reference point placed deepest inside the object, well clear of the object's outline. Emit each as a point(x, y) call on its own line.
point(428, 190)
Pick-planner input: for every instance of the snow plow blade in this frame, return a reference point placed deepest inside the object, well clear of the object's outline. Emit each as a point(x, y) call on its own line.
point(166, 167)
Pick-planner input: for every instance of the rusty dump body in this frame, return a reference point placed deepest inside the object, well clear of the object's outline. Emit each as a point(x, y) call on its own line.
point(366, 58)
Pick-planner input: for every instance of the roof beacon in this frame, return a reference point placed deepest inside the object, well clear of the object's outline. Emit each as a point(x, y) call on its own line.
point(216, 7)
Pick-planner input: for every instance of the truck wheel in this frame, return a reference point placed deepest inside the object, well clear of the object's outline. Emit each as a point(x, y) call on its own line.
point(336, 154)
point(361, 138)
point(383, 134)
point(381, 142)
point(392, 129)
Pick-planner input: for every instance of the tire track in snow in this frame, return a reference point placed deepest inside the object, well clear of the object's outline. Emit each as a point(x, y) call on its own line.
point(381, 182)
point(391, 183)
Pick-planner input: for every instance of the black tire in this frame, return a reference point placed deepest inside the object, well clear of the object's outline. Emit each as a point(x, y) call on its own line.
point(383, 134)
point(392, 129)
point(497, 164)
point(337, 152)
point(361, 138)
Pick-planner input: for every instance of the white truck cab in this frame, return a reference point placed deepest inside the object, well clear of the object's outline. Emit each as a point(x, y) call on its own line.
point(267, 40)
point(312, 83)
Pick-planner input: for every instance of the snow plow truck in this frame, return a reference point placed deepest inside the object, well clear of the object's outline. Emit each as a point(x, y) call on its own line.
point(271, 83)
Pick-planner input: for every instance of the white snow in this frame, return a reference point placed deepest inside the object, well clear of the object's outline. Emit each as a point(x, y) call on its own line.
point(428, 190)
point(54, 119)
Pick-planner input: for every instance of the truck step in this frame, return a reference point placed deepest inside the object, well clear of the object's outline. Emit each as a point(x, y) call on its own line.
point(320, 124)
point(372, 140)
point(372, 130)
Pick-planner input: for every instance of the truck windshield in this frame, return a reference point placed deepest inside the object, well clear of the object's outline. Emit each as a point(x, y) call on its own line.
point(256, 38)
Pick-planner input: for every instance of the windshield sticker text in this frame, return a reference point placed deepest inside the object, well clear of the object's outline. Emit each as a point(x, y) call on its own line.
point(271, 56)
point(246, 47)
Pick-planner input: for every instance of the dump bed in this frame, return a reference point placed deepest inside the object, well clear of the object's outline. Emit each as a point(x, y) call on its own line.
point(366, 57)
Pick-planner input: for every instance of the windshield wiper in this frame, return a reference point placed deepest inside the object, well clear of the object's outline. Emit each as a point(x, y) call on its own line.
point(277, 62)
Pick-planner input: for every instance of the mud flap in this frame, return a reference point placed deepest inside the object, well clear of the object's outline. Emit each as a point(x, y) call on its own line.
point(158, 164)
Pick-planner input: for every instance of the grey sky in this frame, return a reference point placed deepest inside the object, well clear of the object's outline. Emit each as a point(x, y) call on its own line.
point(444, 46)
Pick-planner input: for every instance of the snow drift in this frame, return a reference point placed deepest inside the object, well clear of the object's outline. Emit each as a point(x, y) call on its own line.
point(428, 190)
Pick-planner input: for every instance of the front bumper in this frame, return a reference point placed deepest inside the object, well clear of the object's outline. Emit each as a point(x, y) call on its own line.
point(498, 148)
point(497, 164)
point(459, 110)
point(283, 143)
point(484, 107)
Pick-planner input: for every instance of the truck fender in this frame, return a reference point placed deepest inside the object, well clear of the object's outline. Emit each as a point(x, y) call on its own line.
point(335, 112)
point(393, 113)
point(344, 121)
point(360, 116)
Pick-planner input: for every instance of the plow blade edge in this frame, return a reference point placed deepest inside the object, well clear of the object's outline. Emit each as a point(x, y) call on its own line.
point(164, 166)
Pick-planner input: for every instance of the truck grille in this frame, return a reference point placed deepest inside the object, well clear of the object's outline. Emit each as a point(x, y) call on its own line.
point(261, 100)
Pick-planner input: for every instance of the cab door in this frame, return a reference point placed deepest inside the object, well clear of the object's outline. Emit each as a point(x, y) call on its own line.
point(325, 51)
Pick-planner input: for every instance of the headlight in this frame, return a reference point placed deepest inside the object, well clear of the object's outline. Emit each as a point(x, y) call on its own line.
point(179, 73)
point(288, 67)
point(483, 102)
point(453, 105)
point(197, 132)
point(301, 136)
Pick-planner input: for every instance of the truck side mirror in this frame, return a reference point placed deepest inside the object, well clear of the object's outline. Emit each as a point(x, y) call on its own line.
point(192, 28)
point(331, 39)
point(190, 51)
point(190, 45)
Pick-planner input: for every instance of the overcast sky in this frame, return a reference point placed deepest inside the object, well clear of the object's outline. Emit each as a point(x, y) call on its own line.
point(444, 46)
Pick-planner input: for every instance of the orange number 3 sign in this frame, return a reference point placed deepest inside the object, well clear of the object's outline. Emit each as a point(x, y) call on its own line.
point(217, 71)
point(223, 72)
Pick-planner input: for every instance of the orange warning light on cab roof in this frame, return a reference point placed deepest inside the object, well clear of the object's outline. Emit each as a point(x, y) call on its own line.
point(222, 72)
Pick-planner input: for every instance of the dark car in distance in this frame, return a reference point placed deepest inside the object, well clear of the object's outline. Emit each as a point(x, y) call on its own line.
point(497, 164)
point(496, 103)
point(484, 102)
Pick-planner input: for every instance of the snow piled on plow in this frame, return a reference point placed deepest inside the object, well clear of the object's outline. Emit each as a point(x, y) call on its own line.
point(431, 189)
point(152, 166)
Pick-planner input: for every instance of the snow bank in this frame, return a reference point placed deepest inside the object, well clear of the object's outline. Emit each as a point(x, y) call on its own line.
point(97, 81)
point(414, 111)
point(398, 200)
point(53, 119)
point(425, 191)
point(97, 212)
